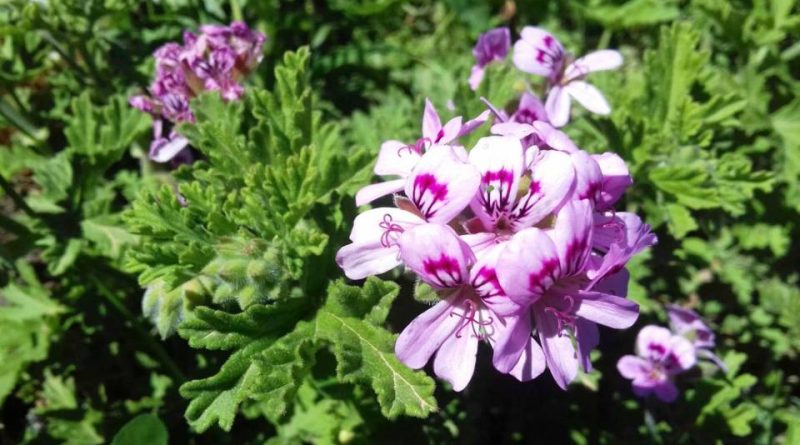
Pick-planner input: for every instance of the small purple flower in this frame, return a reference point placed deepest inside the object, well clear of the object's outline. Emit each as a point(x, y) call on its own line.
point(689, 324)
point(660, 356)
point(539, 52)
point(491, 46)
point(214, 60)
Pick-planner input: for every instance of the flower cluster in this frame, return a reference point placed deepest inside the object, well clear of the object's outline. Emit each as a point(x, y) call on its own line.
point(517, 236)
point(539, 52)
point(662, 354)
point(214, 60)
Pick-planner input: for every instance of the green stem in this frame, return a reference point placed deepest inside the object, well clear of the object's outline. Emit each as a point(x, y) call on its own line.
point(18, 200)
point(605, 38)
point(141, 331)
point(236, 10)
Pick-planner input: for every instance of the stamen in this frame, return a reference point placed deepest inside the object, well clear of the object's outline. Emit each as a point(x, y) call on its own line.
point(418, 147)
point(477, 325)
point(391, 231)
point(564, 317)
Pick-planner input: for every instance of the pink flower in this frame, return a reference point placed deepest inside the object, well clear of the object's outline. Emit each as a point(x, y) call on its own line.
point(538, 52)
point(491, 46)
point(502, 206)
point(213, 61)
point(439, 186)
point(517, 236)
point(453, 327)
point(546, 271)
point(398, 159)
point(660, 356)
point(689, 324)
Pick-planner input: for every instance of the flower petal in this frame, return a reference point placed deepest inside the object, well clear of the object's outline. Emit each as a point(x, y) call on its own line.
point(554, 138)
point(616, 179)
point(572, 236)
point(528, 265)
point(614, 284)
point(633, 367)
point(513, 129)
point(475, 77)
point(562, 360)
point(511, 337)
point(499, 160)
point(588, 337)
point(371, 192)
point(450, 131)
point(431, 124)
point(163, 150)
point(426, 333)
point(652, 341)
point(529, 110)
point(604, 59)
point(360, 260)
point(396, 158)
point(589, 177)
point(557, 106)
point(436, 254)
point(552, 183)
point(531, 363)
point(382, 224)
point(682, 354)
point(666, 391)
point(538, 52)
point(455, 360)
point(442, 185)
point(473, 124)
point(589, 96)
point(607, 310)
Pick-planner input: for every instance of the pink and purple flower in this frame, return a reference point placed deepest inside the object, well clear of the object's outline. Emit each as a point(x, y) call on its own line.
point(215, 60)
point(539, 52)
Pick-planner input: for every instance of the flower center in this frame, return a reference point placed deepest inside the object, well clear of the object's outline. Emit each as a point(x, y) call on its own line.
point(565, 319)
point(474, 318)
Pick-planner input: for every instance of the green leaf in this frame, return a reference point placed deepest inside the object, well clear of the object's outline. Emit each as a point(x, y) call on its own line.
point(365, 352)
point(107, 235)
point(144, 429)
point(680, 220)
point(215, 400)
point(219, 330)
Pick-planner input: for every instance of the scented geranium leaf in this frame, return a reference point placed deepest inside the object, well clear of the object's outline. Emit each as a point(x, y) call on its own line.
point(365, 354)
point(688, 184)
point(283, 366)
point(217, 132)
point(632, 14)
point(267, 363)
point(319, 420)
point(54, 176)
point(680, 220)
point(365, 351)
point(216, 399)
point(65, 416)
point(215, 329)
point(28, 320)
point(107, 235)
point(672, 69)
point(370, 302)
point(100, 135)
point(142, 429)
